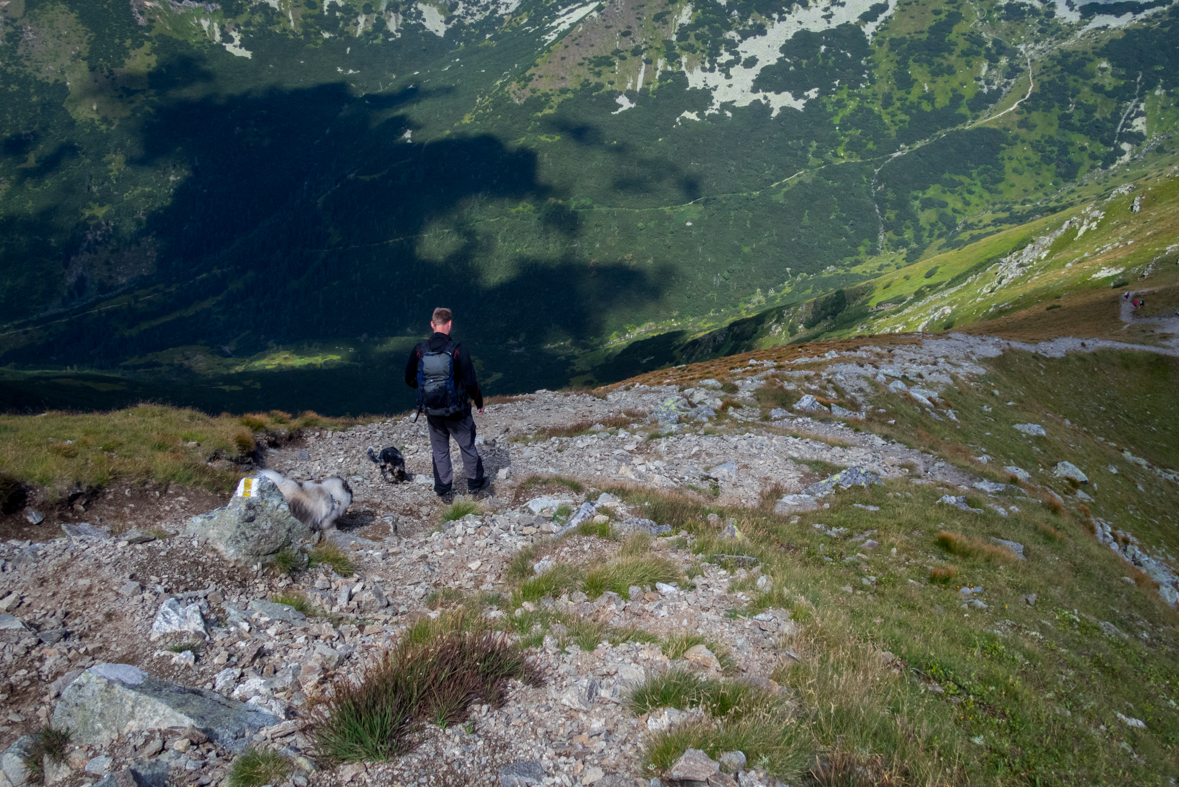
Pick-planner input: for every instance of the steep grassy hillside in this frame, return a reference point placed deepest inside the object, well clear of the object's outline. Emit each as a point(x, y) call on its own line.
point(275, 194)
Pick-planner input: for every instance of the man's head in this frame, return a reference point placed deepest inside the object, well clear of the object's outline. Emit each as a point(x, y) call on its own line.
point(441, 320)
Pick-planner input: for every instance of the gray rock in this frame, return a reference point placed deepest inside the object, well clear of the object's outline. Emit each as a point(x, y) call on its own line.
point(33, 516)
point(898, 386)
point(12, 623)
point(1030, 599)
point(732, 761)
point(113, 699)
point(1031, 430)
point(1015, 547)
point(703, 413)
point(12, 761)
point(694, 766)
point(143, 774)
point(809, 404)
point(710, 383)
point(51, 636)
point(251, 528)
point(844, 479)
point(175, 619)
point(98, 766)
point(638, 524)
point(1018, 472)
point(777, 414)
point(1070, 472)
point(136, 537)
point(959, 502)
point(792, 504)
point(10, 602)
point(666, 413)
point(731, 533)
point(727, 469)
point(527, 773)
point(1082, 496)
point(581, 515)
point(130, 588)
point(843, 412)
point(85, 530)
point(990, 487)
point(275, 611)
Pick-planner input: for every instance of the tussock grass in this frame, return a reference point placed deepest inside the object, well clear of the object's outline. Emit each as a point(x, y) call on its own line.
point(737, 716)
point(603, 531)
point(635, 545)
point(287, 561)
point(58, 450)
point(535, 484)
point(942, 575)
point(328, 553)
point(619, 575)
point(458, 510)
point(973, 547)
point(256, 767)
point(48, 743)
point(520, 566)
point(432, 676)
point(559, 579)
point(676, 645)
point(297, 602)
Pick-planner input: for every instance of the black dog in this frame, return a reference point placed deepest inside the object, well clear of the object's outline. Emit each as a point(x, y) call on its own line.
point(392, 464)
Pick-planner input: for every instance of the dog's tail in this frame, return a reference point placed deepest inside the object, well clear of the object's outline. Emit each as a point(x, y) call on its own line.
point(373, 456)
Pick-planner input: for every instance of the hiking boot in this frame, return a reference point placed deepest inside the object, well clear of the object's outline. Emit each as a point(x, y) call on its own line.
point(478, 486)
point(447, 496)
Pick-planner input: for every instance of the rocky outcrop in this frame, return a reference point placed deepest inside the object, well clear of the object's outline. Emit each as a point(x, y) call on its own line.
point(109, 700)
point(255, 526)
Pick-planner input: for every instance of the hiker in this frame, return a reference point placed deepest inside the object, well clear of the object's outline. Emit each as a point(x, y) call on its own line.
point(1126, 296)
point(442, 372)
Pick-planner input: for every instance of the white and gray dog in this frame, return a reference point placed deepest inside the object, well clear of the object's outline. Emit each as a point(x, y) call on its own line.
point(317, 504)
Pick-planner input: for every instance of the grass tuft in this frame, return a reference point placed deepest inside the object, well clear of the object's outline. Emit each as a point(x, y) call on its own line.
point(942, 575)
point(973, 547)
point(287, 561)
point(434, 675)
point(48, 742)
point(459, 510)
point(559, 579)
point(297, 602)
point(619, 575)
point(328, 553)
point(255, 767)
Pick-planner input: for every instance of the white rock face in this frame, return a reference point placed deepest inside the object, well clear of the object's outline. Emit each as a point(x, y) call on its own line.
point(1070, 472)
point(175, 619)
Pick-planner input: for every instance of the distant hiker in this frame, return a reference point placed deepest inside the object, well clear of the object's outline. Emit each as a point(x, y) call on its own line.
point(1126, 296)
point(442, 372)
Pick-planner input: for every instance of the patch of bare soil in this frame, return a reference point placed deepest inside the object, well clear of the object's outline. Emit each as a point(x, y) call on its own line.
point(120, 507)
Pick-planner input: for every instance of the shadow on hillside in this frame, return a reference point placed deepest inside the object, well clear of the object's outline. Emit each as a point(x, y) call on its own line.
point(302, 215)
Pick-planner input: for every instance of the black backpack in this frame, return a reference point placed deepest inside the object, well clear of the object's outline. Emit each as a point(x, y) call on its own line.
point(437, 393)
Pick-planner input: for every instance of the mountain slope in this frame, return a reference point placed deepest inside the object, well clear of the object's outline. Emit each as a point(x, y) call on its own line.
point(193, 193)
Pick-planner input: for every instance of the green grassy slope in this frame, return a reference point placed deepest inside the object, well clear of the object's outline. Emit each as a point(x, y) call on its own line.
point(212, 193)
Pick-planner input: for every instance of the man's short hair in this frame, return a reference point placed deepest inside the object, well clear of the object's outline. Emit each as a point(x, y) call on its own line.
point(442, 315)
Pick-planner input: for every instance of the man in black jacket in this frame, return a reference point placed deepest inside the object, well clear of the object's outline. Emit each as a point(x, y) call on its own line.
point(440, 367)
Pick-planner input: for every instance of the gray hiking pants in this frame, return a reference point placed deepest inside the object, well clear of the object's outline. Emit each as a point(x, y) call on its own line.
point(462, 429)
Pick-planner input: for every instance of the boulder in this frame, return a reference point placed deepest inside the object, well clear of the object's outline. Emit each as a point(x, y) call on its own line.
point(1018, 472)
point(809, 404)
point(1031, 430)
point(108, 700)
point(254, 526)
point(701, 656)
point(793, 504)
point(697, 769)
point(958, 502)
point(1070, 472)
point(175, 619)
point(667, 412)
point(727, 469)
point(84, 530)
point(852, 476)
point(275, 611)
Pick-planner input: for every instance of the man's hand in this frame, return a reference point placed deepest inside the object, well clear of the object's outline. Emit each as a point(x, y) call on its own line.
point(480, 411)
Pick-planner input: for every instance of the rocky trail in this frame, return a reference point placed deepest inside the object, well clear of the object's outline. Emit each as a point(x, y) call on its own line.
point(176, 614)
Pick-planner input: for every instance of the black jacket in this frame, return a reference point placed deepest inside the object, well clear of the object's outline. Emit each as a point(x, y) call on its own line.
point(464, 370)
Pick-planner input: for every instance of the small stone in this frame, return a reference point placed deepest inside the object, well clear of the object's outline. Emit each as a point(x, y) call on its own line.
point(130, 588)
point(702, 657)
point(809, 404)
point(694, 766)
point(33, 516)
point(1018, 472)
point(1139, 723)
point(1030, 599)
point(526, 773)
point(98, 766)
point(726, 470)
point(592, 775)
point(1015, 547)
point(732, 761)
point(10, 602)
point(1031, 430)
